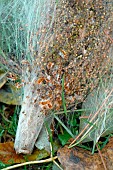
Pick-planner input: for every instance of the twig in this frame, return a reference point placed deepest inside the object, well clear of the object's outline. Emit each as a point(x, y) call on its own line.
point(105, 168)
point(85, 117)
point(57, 165)
point(31, 162)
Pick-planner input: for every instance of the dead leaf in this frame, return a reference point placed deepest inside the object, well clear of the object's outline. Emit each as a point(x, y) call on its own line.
point(8, 154)
point(9, 94)
point(80, 159)
point(37, 155)
point(98, 106)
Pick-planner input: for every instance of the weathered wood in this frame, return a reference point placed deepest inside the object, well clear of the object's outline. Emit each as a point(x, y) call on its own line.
point(31, 117)
point(30, 121)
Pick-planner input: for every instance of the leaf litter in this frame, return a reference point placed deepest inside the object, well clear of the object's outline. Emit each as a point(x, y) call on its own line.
point(80, 159)
point(55, 62)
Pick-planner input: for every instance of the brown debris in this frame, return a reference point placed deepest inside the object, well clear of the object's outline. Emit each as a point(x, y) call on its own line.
point(80, 159)
point(80, 51)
